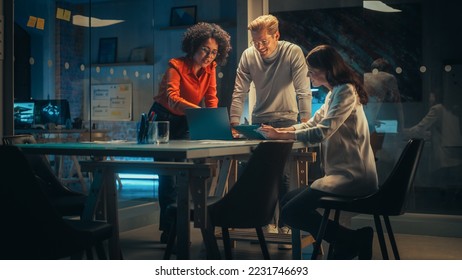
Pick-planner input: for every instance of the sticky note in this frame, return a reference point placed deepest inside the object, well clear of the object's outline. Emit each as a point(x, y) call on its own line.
point(40, 23)
point(59, 13)
point(31, 22)
point(67, 15)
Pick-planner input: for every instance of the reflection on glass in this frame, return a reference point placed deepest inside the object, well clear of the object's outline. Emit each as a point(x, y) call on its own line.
point(43, 51)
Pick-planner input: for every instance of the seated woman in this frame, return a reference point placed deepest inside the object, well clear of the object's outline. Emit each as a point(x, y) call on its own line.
point(341, 127)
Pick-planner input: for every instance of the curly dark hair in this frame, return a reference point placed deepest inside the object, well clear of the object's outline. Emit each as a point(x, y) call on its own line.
point(326, 58)
point(197, 34)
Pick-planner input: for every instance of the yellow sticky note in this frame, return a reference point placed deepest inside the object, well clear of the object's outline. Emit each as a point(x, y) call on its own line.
point(59, 13)
point(31, 22)
point(40, 23)
point(67, 15)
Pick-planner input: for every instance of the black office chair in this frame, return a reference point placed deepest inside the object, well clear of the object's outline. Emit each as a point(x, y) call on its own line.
point(251, 202)
point(388, 201)
point(67, 201)
point(32, 228)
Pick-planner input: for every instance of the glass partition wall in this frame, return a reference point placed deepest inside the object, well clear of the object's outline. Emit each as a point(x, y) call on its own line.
point(99, 64)
point(83, 65)
point(84, 71)
point(410, 59)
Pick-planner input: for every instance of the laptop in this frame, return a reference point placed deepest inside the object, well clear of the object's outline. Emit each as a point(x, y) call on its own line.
point(209, 124)
point(213, 124)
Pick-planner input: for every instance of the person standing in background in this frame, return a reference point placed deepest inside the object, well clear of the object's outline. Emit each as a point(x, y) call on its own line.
point(279, 73)
point(188, 82)
point(384, 95)
point(384, 104)
point(442, 126)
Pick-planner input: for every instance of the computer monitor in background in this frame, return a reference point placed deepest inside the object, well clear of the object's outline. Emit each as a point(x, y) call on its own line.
point(54, 111)
point(386, 126)
point(24, 114)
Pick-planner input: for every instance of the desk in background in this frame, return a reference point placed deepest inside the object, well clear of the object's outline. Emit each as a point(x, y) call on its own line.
point(65, 170)
point(65, 135)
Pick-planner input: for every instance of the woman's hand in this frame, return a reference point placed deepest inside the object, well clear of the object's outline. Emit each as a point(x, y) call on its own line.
point(290, 128)
point(270, 132)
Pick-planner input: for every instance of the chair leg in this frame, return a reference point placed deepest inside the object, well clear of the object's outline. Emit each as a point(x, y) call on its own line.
point(262, 241)
point(210, 242)
point(383, 246)
point(330, 254)
point(89, 253)
point(78, 255)
point(296, 244)
point(320, 235)
point(226, 243)
point(171, 241)
point(391, 236)
point(100, 251)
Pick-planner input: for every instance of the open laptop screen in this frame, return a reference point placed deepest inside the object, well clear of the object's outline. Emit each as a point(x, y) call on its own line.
point(209, 124)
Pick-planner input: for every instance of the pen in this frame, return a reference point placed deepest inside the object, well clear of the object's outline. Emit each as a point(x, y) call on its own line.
point(142, 132)
point(152, 116)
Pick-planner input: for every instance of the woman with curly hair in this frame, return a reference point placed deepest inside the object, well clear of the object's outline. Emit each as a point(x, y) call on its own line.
point(191, 79)
point(188, 82)
point(340, 126)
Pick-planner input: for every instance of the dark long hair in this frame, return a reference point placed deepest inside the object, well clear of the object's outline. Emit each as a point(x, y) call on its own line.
point(326, 58)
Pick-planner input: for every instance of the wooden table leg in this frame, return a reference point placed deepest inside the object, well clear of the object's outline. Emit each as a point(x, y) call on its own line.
point(183, 231)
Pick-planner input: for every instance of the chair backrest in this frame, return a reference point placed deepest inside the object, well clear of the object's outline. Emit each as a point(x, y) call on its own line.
point(393, 192)
point(31, 227)
point(39, 163)
point(252, 200)
point(19, 139)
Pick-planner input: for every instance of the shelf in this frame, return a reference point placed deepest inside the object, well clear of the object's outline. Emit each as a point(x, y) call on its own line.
point(121, 64)
point(223, 24)
point(175, 27)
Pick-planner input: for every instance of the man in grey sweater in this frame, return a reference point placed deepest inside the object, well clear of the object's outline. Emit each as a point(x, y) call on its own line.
point(280, 75)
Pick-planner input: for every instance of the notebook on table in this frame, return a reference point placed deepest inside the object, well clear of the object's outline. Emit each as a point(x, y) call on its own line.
point(249, 131)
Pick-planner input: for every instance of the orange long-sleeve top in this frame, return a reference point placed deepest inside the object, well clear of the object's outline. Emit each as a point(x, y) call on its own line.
point(180, 88)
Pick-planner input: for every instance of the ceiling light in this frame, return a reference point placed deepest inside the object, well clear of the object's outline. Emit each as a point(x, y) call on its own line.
point(379, 6)
point(94, 22)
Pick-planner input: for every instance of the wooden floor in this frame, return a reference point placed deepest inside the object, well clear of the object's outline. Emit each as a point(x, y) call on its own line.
point(140, 236)
point(142, 243)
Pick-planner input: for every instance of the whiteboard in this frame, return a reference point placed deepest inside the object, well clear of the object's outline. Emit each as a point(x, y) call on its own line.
point(111, 102)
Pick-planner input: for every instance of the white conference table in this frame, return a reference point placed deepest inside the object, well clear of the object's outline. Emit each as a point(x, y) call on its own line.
point(192, 175)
